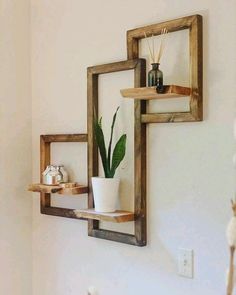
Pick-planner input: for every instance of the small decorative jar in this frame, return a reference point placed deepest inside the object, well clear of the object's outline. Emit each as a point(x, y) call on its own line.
point(155, 77)
point(52, 176)
point(61, 169)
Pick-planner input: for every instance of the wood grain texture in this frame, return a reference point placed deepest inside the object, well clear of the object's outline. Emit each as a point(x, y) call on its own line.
point(65, 138)
point(115, 236)
point(140, 165)
point(118, 216)
point(77, 190)
point(176, 117)
point(60, 212)
point(134, 35)
point(113, 67)
point(41, 188)
point(51, 189)
point(196, 68)
point(45, 198)
point(92, 109)
point(147, 93)
point(139, 67)
point(194, 24)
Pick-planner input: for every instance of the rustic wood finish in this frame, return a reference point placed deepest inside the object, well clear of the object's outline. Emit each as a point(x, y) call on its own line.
point(176, 117)
point(65, 138)
point(60, 212)
point(147, 93)
point(45, 191)
point(139, 67)
point(45, 198)
point(194, 25)
point(42, 188)
point(139, 238)
point(118, 216)
point(115, 236)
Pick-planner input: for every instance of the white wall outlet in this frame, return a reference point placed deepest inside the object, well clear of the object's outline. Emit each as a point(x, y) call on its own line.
point(185, 263)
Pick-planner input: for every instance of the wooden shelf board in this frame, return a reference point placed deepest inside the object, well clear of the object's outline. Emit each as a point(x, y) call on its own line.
point(51, 189)
point(146, 93)
point(117, 216)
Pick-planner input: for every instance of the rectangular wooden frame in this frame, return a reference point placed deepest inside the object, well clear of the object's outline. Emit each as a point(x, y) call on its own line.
point(45, 151)
point(194, 24)
point(139, 67)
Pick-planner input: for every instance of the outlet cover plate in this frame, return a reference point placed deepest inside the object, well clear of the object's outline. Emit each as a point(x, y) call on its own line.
point(185, 263)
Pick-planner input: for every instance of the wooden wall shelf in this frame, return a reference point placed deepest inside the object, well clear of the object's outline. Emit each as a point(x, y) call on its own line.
point(191, 23)
point(118, 216)
point(148, 93)
point(46, 191)
point(52, 189)
point(138, 238)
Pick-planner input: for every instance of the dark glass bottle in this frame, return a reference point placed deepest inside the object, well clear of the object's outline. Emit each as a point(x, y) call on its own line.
point(155, 77)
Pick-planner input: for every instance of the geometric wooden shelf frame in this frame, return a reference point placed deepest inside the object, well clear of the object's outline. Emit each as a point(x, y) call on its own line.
point(139, 238)
point(45, 150)
point(194, 25)
point(139, 67)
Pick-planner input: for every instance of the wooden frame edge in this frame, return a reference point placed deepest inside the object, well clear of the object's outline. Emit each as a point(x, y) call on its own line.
point(139, 67)
point(116, 237)
point(195, 25)
point(45, 148)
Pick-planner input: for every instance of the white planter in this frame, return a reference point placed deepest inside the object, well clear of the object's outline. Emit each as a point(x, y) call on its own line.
point(105, 193)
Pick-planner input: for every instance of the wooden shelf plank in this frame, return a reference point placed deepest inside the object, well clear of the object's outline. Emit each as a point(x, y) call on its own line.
point(117, 216)
point(59, 189)
point(146, 93)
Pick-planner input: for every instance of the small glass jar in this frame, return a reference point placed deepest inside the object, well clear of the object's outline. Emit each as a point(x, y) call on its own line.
point(51, 176)
point(64, 173)
point(155, 77)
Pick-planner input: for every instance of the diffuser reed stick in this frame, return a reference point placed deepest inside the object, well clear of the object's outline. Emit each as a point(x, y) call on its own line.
point(155, 58)
point(151, 52)
point(164, 32)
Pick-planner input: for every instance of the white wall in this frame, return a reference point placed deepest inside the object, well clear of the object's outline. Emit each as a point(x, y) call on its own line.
point(190, 175)
point(15, 156)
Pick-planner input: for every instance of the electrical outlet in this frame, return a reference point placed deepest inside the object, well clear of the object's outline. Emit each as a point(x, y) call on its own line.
point(185, 263)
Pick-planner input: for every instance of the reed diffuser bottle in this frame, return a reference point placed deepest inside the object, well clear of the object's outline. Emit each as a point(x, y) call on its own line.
point(155, 75)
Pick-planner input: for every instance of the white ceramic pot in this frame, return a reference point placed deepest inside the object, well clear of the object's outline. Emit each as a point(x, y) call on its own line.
point(105, 193)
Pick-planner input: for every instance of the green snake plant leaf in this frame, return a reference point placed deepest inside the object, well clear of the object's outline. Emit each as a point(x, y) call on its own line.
point(100, 122)
point(118, 154)
point(111, 137)
point(99, 136)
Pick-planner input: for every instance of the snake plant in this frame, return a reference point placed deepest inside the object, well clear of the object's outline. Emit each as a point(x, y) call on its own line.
point(110, 164)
